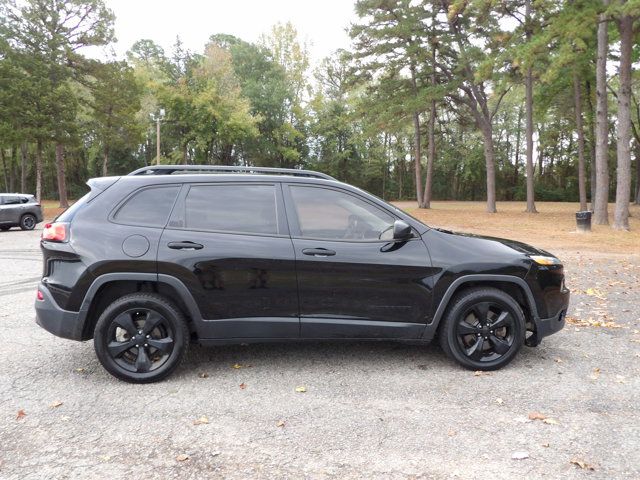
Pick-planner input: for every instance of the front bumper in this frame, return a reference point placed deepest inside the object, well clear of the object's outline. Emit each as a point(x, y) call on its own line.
point(54, 319)
point(548, 326)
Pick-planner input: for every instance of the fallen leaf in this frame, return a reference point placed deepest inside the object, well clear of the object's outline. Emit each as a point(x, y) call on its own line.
point(301, 389)
point(243, 386)
point(236, 366)
point(499, 401)
point(557, 360)
point(536, 416)
point(201, 421)
point(582, 464)
point(203, 375)
point(596, 374)
point(594, 292)
point(280, 423)
point(550, 421)
point(80, 370)
point(21, 414)
point(546, 445)
point(480, 373)
point(182, 457)
point(104, 458)
point(55, 404)
point(520, 455)
point(452, 433)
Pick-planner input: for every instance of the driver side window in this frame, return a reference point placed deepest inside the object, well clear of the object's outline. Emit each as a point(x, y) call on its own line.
point(330, 214)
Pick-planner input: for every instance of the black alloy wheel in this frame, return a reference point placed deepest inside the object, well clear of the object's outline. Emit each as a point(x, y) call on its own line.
point(28, 222)
point(483, 329)
point(141, 338)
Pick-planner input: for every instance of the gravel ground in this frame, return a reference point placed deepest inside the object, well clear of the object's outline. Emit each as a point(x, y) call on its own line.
point(370, 410)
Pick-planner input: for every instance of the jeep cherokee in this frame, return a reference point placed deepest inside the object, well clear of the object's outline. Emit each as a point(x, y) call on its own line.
point(147, 263)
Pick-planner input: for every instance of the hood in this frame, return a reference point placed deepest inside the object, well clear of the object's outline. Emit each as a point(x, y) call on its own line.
point(490, 245)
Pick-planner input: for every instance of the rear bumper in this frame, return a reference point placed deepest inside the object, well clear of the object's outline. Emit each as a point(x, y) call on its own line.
point(54, 319)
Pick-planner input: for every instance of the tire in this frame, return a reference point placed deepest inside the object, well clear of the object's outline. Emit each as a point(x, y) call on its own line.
point(141, 338)
point(483, 329)
point(28, 222)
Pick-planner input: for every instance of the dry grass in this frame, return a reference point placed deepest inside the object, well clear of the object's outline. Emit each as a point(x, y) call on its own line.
point(554, 227)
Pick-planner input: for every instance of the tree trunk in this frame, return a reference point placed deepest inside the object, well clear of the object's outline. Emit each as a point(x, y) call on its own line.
point(531, 206)
point(23, 167)
point(489, 156)
point(417, 157)
point(39, 171)
point(637, 202)
point(4, 171)
point(592, 145)
point(528, 85)
point(516, 160)
point(623, 180)
point(431, 153)
point(105, 161)
point(62, 179)
point(577, 99)
point(601, 215)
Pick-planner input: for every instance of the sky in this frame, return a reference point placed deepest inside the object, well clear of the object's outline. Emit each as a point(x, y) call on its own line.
point(321, 23)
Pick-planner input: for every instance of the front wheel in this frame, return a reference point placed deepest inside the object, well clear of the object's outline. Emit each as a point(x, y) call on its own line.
point(141, 338)
point(483, 329)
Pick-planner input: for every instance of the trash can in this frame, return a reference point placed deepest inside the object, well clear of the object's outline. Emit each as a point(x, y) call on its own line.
point(583, 221)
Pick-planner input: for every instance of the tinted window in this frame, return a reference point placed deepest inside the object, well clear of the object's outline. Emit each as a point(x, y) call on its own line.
point(325, 213)
point(150, 207)
point(232, 208)
point(11, 200)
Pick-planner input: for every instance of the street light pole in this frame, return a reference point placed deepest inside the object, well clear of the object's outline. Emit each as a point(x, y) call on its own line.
point(158, 140)
point(158, 119)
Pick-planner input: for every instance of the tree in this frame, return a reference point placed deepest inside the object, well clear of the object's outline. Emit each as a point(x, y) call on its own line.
point(473, 61)
point(626, 20)
point(50, 33)
point(601, 215)
point(115, 103)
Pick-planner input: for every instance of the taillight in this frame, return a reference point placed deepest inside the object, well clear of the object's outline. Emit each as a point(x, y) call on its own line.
point(55, 232)
point(40, 296)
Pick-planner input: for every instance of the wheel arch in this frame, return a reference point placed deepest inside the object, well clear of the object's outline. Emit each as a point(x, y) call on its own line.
point(516, 287)
point(108, 287)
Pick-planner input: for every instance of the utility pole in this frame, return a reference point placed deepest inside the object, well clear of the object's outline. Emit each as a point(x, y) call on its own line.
point(158, 118)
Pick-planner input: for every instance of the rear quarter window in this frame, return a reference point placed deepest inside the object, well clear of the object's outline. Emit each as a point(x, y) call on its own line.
point(149, 206)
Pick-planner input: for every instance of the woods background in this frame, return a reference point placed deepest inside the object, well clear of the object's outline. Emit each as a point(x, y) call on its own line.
point(448, 99)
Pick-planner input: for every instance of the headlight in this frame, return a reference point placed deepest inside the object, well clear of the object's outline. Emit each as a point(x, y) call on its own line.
point(543, 260)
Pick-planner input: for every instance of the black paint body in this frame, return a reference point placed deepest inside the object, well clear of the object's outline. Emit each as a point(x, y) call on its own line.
point(239, 287)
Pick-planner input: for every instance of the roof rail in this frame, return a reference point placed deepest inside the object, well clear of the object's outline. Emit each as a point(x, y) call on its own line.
point(171, 169)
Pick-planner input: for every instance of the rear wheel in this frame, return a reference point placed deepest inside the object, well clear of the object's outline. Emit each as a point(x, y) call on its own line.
point(28, 222)
point(141, 338)
point(483, 329)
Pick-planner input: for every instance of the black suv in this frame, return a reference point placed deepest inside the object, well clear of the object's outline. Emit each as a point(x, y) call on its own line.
point(147, 263)
point(19, 210)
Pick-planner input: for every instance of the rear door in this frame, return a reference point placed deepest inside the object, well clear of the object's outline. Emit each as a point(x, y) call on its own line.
point(229, 244)
point(354, 282)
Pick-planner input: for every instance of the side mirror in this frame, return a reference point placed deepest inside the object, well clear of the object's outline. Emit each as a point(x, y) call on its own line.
point(402, 231)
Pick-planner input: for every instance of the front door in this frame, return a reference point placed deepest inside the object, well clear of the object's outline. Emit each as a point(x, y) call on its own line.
point(229, 244)
point(353, 280)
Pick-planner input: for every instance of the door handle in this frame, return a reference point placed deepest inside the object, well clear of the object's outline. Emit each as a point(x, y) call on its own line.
point(184, 245)
point(319, 252)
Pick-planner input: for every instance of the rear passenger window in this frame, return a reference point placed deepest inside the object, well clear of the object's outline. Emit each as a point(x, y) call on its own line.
point(11, 200)
point(148, 207)
point(232, 208)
